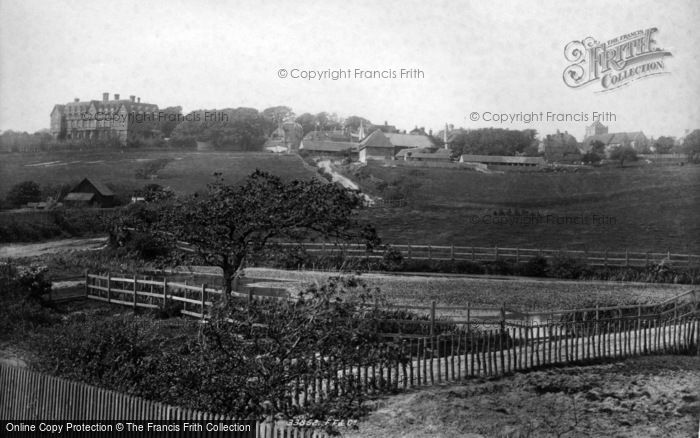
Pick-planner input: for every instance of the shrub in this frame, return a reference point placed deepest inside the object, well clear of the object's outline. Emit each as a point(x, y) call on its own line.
point(24, 192)
point(535, 267)
point(566, 267)
point(392, 259)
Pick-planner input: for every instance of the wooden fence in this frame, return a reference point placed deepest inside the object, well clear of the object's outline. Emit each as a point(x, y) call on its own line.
point(473, 341)
point(28, 395)
point(483, 254)
point(140, 291)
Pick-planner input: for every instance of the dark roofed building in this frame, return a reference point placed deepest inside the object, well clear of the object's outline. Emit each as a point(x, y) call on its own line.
point(385, 146)
point(90, 192)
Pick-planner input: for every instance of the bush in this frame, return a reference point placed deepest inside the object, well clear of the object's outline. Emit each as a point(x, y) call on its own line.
point(535, 267)
point(566, 267)
point(23, 193)
point(392, 259)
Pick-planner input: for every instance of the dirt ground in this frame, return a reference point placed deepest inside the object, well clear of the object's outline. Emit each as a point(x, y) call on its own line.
point(641, 397)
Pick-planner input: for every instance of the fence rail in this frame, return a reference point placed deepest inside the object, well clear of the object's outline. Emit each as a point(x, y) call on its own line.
point(28, 395)
point(482, 254)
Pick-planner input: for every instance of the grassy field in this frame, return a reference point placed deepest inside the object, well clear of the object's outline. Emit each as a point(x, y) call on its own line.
point(644, 208)
point(185, 172)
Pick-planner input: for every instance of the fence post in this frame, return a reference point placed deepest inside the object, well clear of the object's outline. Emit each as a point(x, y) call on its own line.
point(432, 318)
point(109, 287)
point(473, 255)
point(87, 291)
point(496, 255)
point(517, 255)
point(135, 290)
point(627, 257)
point(503, 318)
point(606, 257)
point(647, 258)
point(165, 290)
point(409, 250)
point(430, 252)
point(204, 298)
point(452, 251)
point(469, 312)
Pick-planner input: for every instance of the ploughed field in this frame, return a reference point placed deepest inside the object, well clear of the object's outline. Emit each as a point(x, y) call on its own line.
point(640, 397)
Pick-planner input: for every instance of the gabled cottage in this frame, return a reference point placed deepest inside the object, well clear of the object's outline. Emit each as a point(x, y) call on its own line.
point(90, 192)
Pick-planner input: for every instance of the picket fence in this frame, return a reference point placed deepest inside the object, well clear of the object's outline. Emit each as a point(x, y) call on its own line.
point(486, 254)
point(483, 341)
point(32, 396)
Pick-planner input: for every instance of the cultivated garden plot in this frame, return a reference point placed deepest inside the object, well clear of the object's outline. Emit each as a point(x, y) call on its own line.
point(520, 293)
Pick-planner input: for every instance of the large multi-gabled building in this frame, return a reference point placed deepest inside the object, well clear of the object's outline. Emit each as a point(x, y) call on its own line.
point(121, 119)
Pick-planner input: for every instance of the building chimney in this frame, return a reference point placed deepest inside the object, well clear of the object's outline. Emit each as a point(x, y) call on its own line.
point(76, 100)
point(132, 98)
point(116, 96)
point(105, 97)
point(385, 123)
point(139, 100)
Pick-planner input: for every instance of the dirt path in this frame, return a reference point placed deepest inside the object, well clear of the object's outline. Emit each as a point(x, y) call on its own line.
point(35, 249)
point(641, 397)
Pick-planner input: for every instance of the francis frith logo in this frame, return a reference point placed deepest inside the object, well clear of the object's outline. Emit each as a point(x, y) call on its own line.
point(616, 62)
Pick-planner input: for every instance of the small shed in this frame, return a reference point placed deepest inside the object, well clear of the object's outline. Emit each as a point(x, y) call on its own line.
point(90, 192)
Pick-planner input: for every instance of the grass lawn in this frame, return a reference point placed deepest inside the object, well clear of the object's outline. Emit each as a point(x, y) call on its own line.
point(647, 208)
point(186, 172)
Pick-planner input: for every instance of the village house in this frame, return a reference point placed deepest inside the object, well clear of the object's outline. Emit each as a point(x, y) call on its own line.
point(90, 192)
point(333, 143)
point(384, 146)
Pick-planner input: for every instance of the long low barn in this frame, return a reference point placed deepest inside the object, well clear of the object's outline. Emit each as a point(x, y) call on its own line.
point(504, 161)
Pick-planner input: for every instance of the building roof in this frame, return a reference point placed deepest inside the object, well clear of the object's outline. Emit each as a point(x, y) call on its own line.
point(98, 185)
point(79, 197)
point(499, 159)
point(328, 146)
point(377, 139)
point(409, 140)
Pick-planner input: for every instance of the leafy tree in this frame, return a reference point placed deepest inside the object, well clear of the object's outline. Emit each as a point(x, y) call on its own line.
point(598, 148)
point(276, 115)
point(229, 224)
point(24, 192)
point(624, 153)
point(354, 122)
point(493, 141)
point(663, 145)
point(169, 119)
point(691, 146)
point(590, 158)
point(307, 122)
point(232, 129)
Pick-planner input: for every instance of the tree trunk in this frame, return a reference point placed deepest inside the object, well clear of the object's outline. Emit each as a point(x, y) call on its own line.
point(228, 274)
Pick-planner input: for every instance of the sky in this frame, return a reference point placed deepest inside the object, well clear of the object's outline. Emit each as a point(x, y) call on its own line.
point(501, 57)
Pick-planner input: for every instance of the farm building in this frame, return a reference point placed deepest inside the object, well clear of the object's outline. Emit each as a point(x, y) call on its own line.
point(502, 162)
point(424, 154)
point(384, 146)
point(90, 192)
point(561, 147)
point(327, 147)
